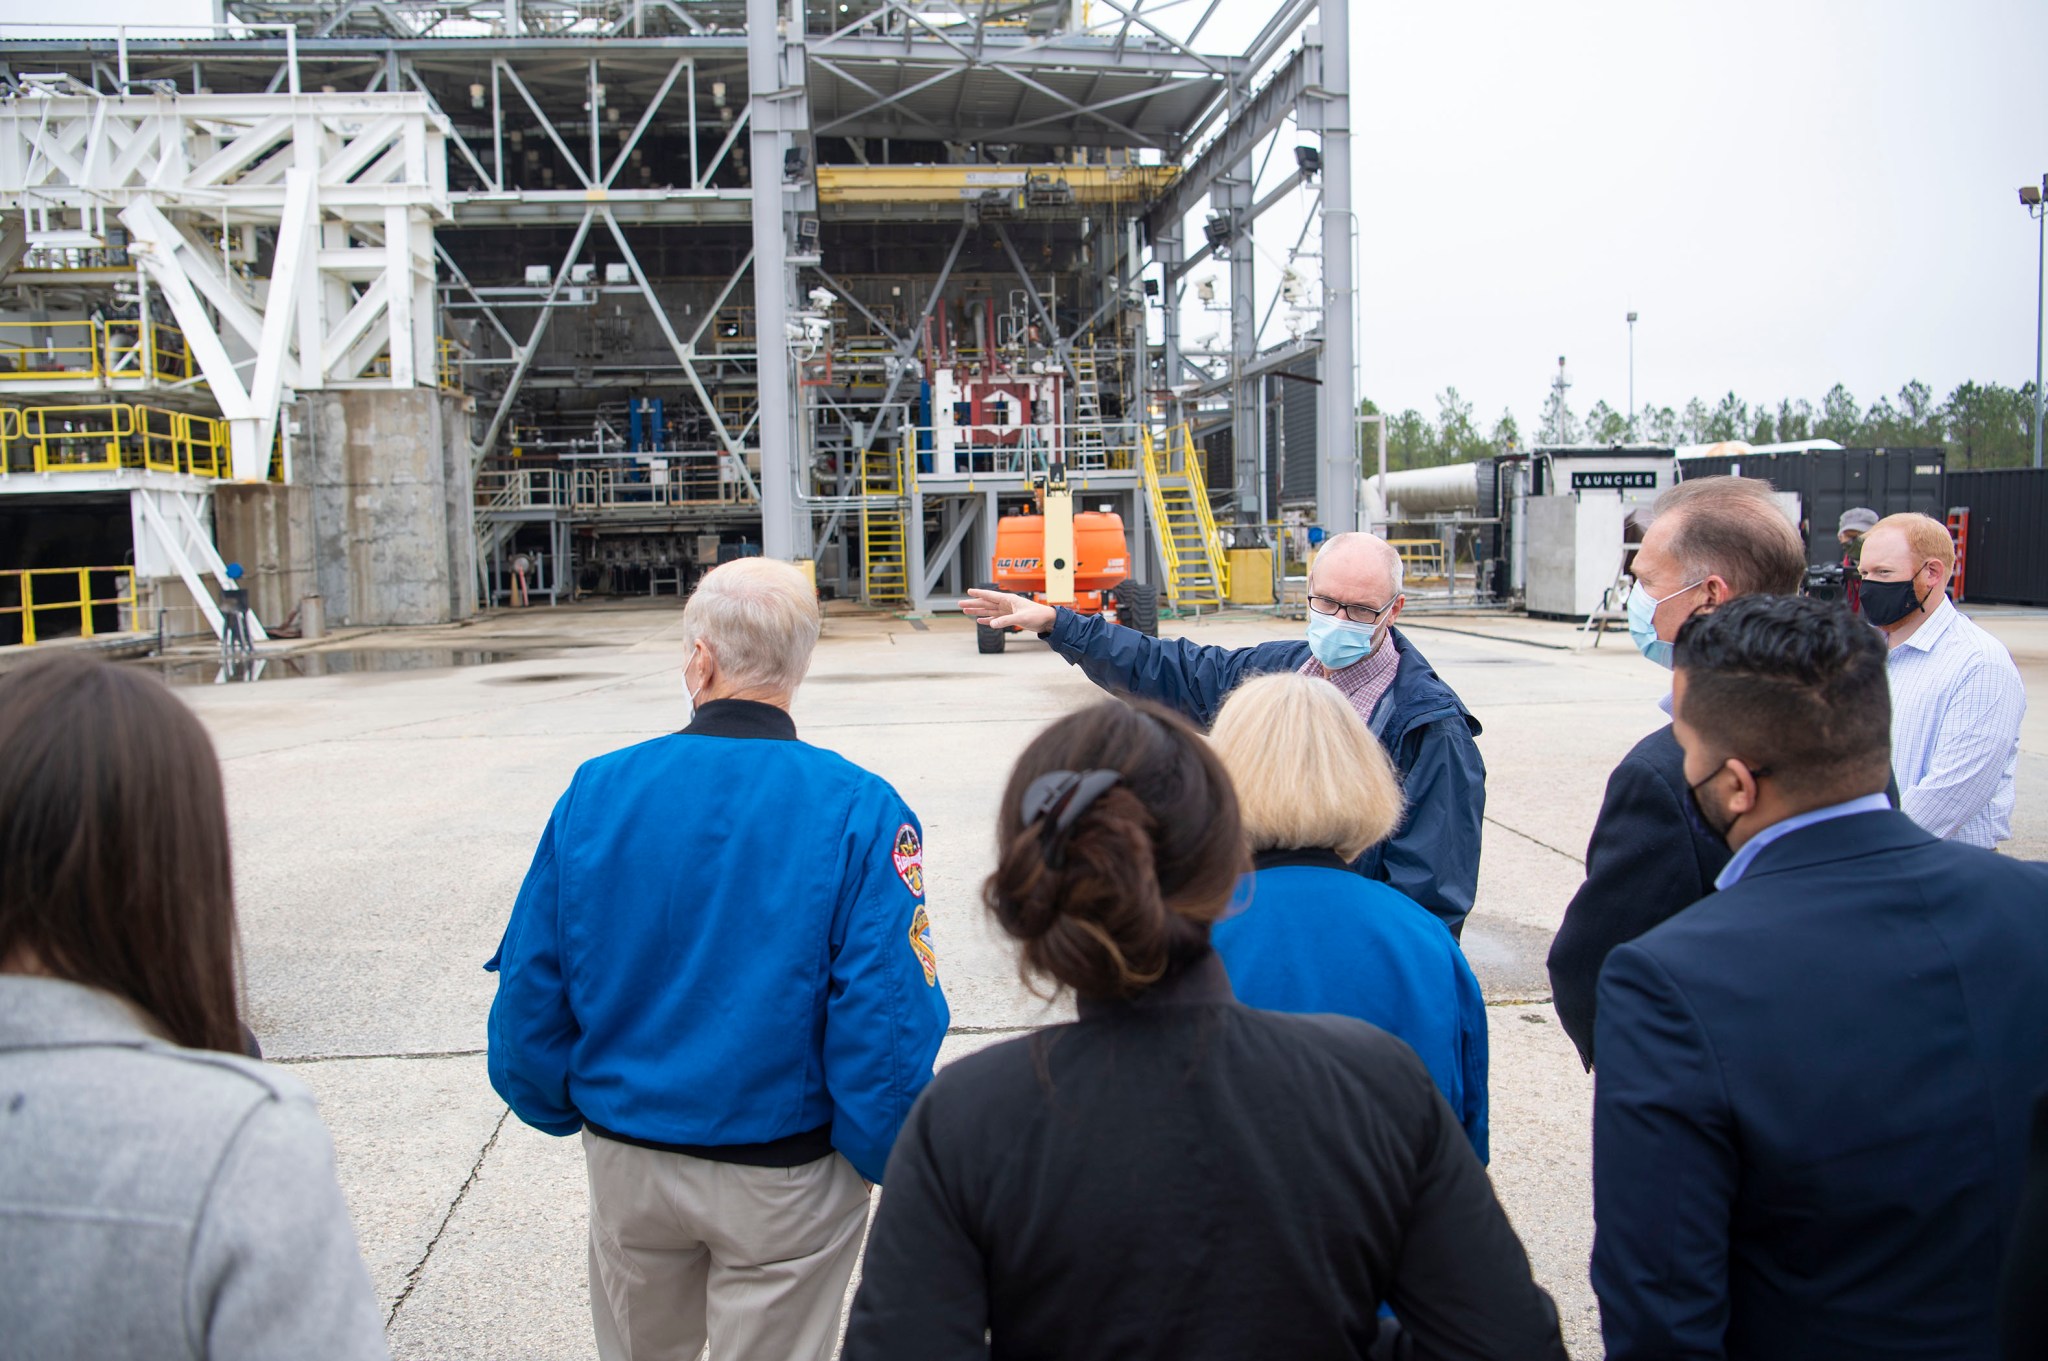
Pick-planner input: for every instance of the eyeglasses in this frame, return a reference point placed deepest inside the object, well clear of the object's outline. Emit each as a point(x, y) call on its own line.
point(1355, 613)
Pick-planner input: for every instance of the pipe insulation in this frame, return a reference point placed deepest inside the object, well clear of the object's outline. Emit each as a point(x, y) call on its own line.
point(1420, 492)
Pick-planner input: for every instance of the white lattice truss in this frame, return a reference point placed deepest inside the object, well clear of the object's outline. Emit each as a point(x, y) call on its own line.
point(353, 184)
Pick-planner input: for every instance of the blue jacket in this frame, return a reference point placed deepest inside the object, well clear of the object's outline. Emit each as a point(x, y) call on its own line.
point(1433, 856)
point(722, 944)
point(1810, 1111)
point(1305, 934)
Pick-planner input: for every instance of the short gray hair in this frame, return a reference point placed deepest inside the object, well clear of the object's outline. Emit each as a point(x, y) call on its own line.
point(760, 618)
point(1358, 538)
point(1732, 527)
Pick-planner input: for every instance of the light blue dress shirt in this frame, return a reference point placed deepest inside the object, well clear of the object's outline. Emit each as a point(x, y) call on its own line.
point(1739, 866)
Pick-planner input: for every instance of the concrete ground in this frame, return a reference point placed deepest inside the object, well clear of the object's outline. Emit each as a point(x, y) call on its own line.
point(383, 820)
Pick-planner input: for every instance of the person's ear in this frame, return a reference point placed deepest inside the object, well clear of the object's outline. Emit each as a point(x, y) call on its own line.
point(1714, 593)
point(1744, 798)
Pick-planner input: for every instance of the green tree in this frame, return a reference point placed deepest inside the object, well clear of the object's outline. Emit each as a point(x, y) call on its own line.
point(1605, 425)
point(1410, 441)
point(1728, 420)
point(1919, 417)
point(1458, 439)
point(1840, 418)
point(1507, 435)
point(1795, 420)
point(1558, 424)
point(1763, 426)
point(1692, 422)
point(1657, 425)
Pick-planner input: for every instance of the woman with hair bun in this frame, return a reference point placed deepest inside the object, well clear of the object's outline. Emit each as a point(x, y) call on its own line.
point(1305, 932)
point(1175, 1175)
point(160, 1194)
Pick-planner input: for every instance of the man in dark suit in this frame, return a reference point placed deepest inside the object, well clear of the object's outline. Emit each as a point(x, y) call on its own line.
point(1810, 1118)
point(1712, 539)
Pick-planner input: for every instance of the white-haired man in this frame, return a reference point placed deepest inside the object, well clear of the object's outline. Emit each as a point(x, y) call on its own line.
point(735, 1011)
point(1354, 599)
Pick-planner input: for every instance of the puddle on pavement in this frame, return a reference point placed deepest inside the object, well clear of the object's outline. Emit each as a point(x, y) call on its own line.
point(340, 662)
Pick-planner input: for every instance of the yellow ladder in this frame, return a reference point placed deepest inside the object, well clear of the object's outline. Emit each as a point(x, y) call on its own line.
point(1090, 448)
point(1183, 524)
point(884, 543)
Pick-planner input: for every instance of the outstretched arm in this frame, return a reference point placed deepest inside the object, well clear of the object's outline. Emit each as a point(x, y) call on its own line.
point(1184, 676)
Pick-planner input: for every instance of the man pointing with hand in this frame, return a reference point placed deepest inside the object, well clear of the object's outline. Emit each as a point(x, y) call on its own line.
point(1354, 599)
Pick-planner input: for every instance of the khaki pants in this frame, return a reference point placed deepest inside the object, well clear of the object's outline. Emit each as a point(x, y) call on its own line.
point(754, 1260)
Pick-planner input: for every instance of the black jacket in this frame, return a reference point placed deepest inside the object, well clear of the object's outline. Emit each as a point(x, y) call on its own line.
point(1646, 862)
point(1184, 1177)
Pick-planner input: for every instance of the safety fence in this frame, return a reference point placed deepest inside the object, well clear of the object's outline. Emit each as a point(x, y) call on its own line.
point(110, 436)
point(93, 350)
point(675, 480)
point(67, 593)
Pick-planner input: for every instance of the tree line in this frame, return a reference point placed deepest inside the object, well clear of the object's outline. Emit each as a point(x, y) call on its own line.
point(1981, 425)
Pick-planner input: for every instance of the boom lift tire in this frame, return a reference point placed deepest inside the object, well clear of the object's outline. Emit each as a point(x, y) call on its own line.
point(1137, 607)
point(986, 639)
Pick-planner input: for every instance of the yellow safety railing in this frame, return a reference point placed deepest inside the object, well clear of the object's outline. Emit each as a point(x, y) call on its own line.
point(109, 436)
point(1421, 559)
point(32, 350)
point(161, 354)
point(35, 351)
point(1196, 570)
point(74, 589)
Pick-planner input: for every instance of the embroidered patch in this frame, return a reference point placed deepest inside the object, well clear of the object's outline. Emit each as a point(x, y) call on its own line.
point(921, 946)
point(908, 856)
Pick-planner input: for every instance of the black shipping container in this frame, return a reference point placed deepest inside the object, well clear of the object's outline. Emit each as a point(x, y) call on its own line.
point(1830, 481)
point(2007, 555)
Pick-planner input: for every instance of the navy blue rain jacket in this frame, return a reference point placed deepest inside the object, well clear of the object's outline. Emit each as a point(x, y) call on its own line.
point(1433, 856)
point(722, 943)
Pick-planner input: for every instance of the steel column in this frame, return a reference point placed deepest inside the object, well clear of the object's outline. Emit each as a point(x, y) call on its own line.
point(1337, 408)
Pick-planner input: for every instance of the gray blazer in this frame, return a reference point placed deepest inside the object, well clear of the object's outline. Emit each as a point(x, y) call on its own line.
point(159, 1202)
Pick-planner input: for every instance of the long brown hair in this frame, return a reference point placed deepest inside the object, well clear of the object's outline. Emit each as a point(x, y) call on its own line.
point(1132, 886)
point(114, 867)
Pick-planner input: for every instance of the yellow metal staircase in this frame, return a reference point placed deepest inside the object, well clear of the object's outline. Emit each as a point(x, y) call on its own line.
point(885, 549)
point(1182, 522)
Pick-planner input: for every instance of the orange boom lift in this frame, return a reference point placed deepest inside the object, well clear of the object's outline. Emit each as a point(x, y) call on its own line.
point(1064, 557)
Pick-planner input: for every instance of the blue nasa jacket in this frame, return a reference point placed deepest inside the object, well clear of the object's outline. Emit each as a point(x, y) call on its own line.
point(722, 949)
point(1433, 856)
point(1305, 934)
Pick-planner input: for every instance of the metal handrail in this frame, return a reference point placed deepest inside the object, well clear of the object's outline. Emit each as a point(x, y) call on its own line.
point(116, 435)
point(28, 607)
point(95, 349)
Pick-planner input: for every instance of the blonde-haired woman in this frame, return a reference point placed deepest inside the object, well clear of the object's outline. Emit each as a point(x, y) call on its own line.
point(1306, 933)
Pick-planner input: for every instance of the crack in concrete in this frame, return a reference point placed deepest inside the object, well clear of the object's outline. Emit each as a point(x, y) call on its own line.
point(412, 1277)
point(1539, 841)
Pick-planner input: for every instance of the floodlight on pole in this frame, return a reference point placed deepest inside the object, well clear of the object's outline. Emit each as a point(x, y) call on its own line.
point(2031, 196)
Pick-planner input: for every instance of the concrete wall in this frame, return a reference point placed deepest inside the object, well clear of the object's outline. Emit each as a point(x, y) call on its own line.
point(388, 474)
point(269, 530)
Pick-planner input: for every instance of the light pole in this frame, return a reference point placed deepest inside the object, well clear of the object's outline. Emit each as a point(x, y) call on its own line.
point(1631, 378)
point(2031, 196)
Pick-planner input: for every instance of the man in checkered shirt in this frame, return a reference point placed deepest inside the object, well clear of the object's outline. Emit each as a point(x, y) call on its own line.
point(1957, 700)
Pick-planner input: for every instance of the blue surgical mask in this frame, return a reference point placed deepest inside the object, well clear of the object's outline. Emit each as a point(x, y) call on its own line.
point(1337, 642)
point(1642, 623)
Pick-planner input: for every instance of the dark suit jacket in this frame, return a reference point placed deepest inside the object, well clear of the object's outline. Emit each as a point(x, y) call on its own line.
point(1810, 1119)
point(1644, 863)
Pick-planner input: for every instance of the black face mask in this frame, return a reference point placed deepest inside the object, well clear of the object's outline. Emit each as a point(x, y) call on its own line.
point(1887, 602)
point(1696, 812)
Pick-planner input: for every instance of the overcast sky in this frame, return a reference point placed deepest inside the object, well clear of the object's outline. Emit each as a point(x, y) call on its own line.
point(1789, 194)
